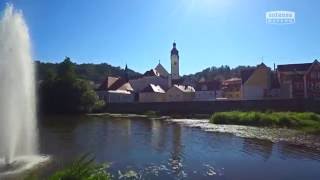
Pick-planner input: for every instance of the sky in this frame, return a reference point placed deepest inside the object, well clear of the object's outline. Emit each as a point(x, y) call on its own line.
point(139, 33)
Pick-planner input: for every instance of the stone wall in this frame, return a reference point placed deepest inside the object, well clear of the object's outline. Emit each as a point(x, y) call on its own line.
point(209, 107)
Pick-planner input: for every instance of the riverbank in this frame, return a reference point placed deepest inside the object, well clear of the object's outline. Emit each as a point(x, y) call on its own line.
point(210, 107)
point(305, 121)
point(152, 115)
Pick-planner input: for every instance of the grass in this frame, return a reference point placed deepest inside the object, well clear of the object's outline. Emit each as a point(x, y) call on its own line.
point(306, 121)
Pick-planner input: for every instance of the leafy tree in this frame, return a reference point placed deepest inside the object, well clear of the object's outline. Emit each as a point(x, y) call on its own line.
point(66, 93)
point(66, 70)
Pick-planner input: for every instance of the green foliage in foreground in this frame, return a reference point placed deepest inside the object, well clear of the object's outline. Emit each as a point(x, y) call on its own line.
point(305, 121)
point(83, 169)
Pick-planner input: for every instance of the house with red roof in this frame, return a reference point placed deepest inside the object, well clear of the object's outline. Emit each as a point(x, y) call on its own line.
point(149, 77)
point(116, 89)
point(231, 89)
point(300, 80)
point(207, 90)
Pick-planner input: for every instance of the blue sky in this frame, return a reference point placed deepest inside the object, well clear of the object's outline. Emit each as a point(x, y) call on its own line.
point(140, 32)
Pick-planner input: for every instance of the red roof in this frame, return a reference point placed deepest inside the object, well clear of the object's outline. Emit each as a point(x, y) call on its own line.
point(109, 81)
point(232, 81)
point(151, 72)
point(294, 67)
point(120, 82)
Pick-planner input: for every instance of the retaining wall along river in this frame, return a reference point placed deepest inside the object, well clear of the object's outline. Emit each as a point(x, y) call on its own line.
point(209, 107)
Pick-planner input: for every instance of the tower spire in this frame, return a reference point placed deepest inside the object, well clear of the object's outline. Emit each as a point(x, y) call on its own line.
point(174, 62)
point(126, 75)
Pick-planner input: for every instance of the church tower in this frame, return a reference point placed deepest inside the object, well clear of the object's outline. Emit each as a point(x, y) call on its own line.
point(174, 63)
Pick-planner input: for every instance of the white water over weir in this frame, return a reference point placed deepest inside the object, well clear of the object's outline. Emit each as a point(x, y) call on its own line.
point(18, 131)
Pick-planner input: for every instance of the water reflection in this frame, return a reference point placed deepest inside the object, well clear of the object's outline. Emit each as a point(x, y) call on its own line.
point(176, 160)
point(262, 148)
point(158, 138)
point(299, 152)
point(158, 149)
point(57, 134)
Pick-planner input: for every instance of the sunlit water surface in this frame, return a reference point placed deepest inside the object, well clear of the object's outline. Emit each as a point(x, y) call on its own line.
point(178, 149)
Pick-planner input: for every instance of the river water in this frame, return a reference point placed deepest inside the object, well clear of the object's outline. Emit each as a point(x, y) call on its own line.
point(179, 149)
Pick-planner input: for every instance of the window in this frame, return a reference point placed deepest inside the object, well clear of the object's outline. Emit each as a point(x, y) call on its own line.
point(298, 85)
point(312, 85)
point(309, 85)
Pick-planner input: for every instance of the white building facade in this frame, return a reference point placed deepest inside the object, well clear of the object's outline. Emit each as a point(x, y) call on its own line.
point(180, 93)
point(152, 93)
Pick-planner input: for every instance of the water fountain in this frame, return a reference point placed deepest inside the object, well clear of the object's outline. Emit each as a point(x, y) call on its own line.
point(18, 131)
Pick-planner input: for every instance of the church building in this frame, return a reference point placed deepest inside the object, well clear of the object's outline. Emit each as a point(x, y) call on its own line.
point(157, 78)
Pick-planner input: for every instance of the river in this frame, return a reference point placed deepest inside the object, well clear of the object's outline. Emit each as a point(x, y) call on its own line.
point(178, 149)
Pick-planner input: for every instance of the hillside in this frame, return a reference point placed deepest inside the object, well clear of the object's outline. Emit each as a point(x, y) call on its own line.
point(216, 73)
point(92, 72)
point(97, 72)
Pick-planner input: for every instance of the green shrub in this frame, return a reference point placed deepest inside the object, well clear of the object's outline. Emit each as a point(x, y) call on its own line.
point(83, 169)
point(306, 120)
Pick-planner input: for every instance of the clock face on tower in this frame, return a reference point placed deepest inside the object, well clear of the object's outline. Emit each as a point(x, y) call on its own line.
point(174, 62)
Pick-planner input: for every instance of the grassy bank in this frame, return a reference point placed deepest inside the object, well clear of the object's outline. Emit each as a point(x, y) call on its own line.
point(306, 121)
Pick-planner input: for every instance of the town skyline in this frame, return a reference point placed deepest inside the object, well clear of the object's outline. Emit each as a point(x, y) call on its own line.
point(139, 34)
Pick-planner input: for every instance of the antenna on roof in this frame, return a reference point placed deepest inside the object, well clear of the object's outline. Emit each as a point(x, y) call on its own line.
point(159, 61)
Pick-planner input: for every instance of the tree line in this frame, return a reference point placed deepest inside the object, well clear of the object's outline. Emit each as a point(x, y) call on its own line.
point(91, 72)
point(216, 73)
point(63, 90)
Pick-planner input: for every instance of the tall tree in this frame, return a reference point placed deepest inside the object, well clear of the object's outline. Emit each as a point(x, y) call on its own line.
point(67, 93)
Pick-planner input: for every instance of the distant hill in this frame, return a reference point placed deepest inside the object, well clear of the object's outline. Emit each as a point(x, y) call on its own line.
point(92, 72)
point(216, 73)
point(97, 72)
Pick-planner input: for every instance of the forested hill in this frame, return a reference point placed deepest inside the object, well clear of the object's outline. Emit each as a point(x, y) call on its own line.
point(216, 73)
point(97, 72)
point(92, 72)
